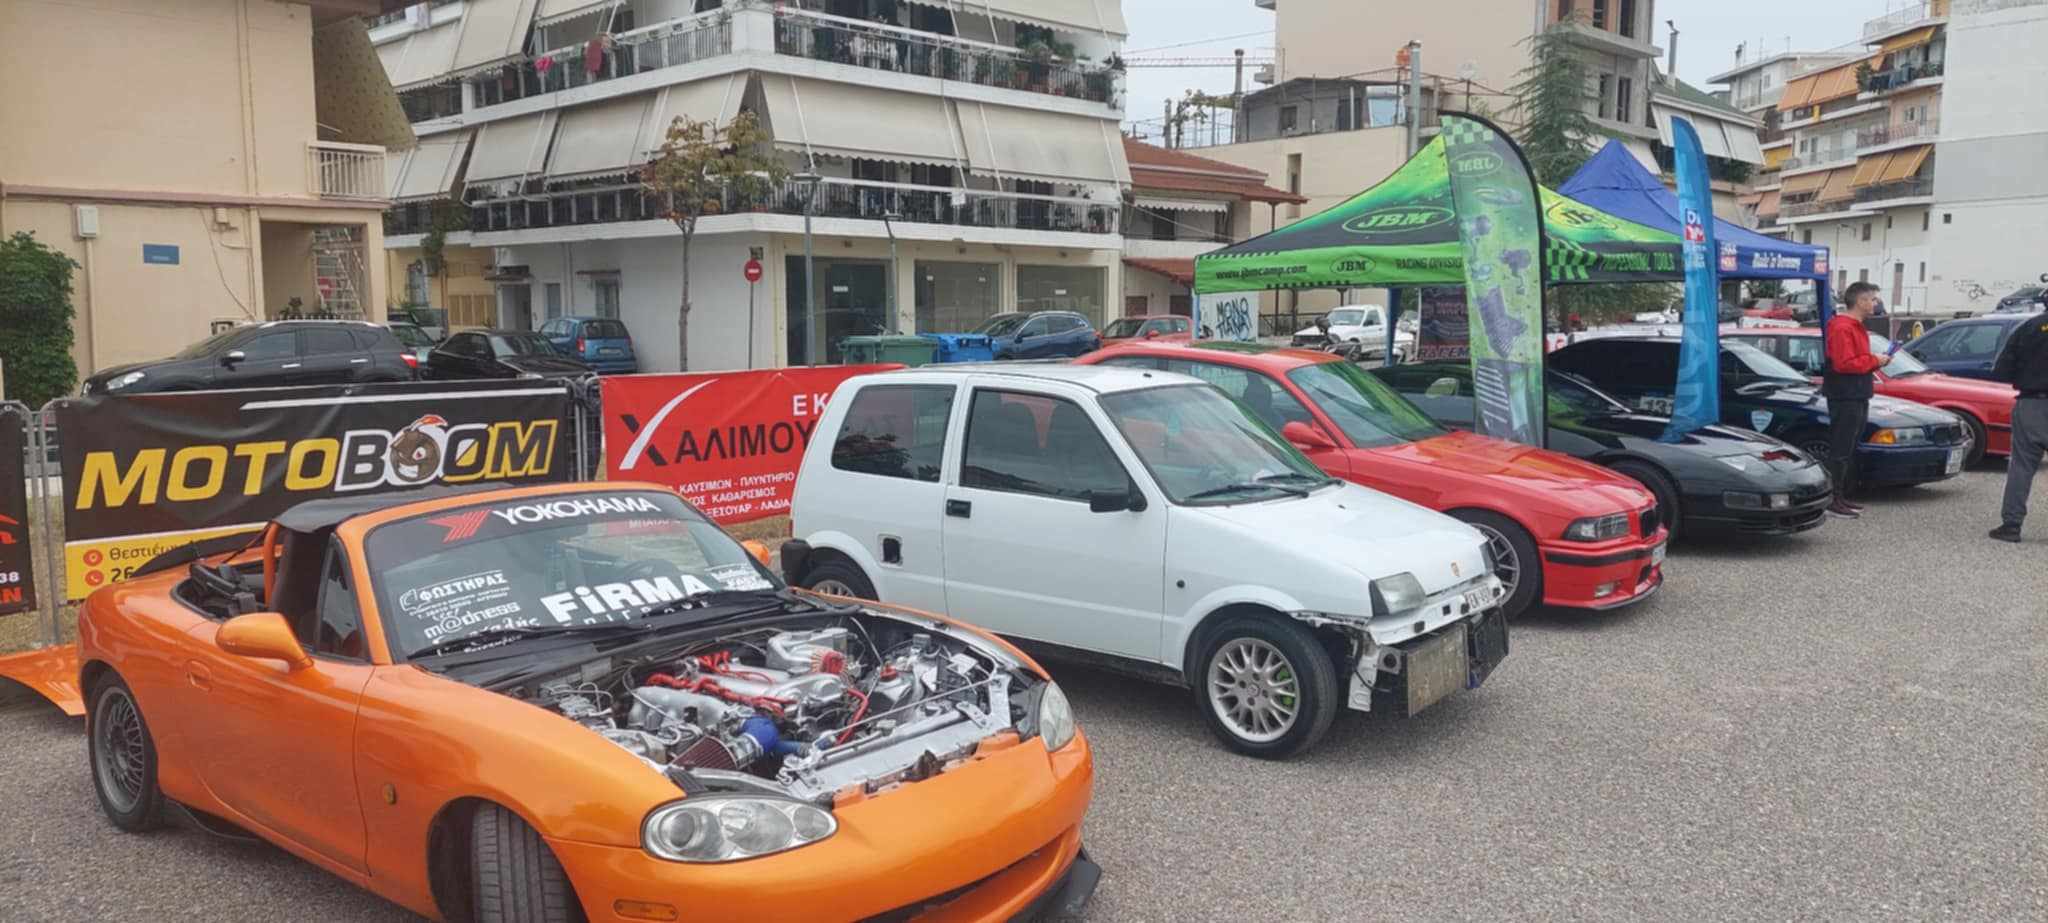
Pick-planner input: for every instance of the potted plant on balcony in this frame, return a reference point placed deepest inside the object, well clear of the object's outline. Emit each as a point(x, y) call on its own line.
point(1863, 77)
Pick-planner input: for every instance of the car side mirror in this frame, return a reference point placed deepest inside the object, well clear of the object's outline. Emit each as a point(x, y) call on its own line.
point(1306, 438)
point(1323, 324)
point(1116, 501)
point(795, 554)
point(759, 550)
point(233, 356)
point(1023, 335)
point(263, 636)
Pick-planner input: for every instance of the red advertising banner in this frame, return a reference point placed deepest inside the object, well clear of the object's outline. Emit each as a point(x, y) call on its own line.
point(730, 441)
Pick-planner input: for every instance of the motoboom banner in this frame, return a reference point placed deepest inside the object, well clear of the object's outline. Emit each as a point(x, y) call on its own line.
point(1696, 401)
point(731, 442)
point(146, 474)
point(1500, 229)
point(1444, 332)
point(17, 562)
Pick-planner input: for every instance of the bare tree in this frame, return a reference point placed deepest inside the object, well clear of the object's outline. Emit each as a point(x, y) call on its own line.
point(702, 171)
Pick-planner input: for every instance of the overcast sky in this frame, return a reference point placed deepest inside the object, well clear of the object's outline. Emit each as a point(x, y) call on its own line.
point(1708, 33)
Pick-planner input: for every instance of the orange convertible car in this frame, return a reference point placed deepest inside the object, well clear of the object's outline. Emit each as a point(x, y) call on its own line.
point(581, 702)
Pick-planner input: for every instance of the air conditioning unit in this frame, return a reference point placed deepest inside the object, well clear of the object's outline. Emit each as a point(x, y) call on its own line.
point(1264, 74)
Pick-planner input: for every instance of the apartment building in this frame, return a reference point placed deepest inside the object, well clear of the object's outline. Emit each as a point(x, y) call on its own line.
point(1990, 169)
point(1753, 87)
point(970, 151)
point(1183, 206)
point(206, 162)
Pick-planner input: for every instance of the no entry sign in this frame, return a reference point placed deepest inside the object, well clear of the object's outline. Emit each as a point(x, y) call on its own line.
point(753, 270)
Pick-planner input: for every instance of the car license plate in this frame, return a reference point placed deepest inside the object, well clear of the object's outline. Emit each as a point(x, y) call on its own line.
point(1657, 555)
point(609, 351)
point(1955, 461)
point(1436, 668)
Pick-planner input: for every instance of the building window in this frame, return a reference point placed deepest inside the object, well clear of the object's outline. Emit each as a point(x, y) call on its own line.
point(957, 297)
point(1606, 103)
point(1290, 116)
point(553, 296)
point(1923, 219)
point(1948, 218)
point(1887, 222)
point(1061, 288)
point(1599, 14)
point(1628, 18)
point(1294, 184)
point(1624, 99)
point(1564, 10)
point(1806, 237)
point(607, 292)
point(1923, 271)
point(1344, 122)
point(1866, 230)
point(416, 284)
point(1862, 275)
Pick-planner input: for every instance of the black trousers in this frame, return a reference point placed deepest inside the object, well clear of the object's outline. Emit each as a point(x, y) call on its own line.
point(1845, 431)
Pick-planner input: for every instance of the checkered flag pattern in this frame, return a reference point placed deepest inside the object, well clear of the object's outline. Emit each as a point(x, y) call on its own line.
point(1567, 261)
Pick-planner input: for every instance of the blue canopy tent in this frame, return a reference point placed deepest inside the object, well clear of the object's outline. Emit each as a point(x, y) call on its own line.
point(1616, 183)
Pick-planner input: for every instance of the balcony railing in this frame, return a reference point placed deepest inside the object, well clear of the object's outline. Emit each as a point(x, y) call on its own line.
point(1885, 81)
point(881, 46)
point(1899, 19)
point(1902, 131)
point(836, 198)
point(345, 171)
point(1797, 209)
point(1822, 158)
point(667, 44)
point(1901, 189)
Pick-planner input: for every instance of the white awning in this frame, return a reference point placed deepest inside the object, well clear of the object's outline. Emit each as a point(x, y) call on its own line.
point(1042, 145)
point(1717, 138)
point(1103, 16)
point(1640, 150)
point(554, 11)
point(605, 137)
point(715, 100)
point(428, 170)
point(512, 147)
point(420, 58)
point(822, 117)
point(492, 30)
point(1216, 206)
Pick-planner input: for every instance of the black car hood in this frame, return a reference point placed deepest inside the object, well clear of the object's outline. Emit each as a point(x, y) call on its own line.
point(1712, 440)
point(551, 366)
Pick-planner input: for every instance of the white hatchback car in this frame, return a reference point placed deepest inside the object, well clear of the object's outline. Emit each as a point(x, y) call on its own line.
point(1143, 519)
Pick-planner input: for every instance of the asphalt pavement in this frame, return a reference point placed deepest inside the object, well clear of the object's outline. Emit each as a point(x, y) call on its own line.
point(1846, 725)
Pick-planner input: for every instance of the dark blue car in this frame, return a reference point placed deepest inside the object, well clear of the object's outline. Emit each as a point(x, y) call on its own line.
point(1904, 443)
point(1966, 348)
point(1041, 335)
point(601, 342)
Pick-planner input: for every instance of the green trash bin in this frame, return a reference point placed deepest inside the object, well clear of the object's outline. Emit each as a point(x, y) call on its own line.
point(912, 351)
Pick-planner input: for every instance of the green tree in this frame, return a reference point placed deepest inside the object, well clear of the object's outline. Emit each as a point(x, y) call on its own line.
point(35, 320)
point(1557, 135)
point(702, 171)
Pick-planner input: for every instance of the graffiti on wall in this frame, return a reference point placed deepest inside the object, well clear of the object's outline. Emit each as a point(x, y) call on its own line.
point(1235, 320)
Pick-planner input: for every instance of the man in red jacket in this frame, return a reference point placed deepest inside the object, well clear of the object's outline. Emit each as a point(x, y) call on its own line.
point(1847, 385)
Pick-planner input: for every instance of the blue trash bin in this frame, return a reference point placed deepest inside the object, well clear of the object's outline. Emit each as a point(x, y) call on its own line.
point(963, 347)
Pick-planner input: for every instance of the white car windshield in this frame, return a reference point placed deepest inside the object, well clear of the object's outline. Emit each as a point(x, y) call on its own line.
point(1347, 317)
point(547, 563)
point(1202, 448)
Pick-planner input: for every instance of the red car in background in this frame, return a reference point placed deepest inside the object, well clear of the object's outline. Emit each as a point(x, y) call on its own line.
point(1984, 406)
point(1157, 328)
point(1562, 531)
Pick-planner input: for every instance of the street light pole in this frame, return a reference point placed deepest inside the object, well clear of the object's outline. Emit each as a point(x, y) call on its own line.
point(812, 335)
point(889, 326)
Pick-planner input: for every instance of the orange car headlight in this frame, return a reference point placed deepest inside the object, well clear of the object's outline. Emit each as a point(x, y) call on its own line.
point(730, 828)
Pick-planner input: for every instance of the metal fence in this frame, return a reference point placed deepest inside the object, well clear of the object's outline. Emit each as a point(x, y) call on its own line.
point(43, 474)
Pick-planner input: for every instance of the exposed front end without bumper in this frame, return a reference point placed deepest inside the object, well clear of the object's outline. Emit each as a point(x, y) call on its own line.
point(1408, 677)
point(984, 841)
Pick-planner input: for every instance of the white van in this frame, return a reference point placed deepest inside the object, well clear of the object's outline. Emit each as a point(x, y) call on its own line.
point(1142, 519)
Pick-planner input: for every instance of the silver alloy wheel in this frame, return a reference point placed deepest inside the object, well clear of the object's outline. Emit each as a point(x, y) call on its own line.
point(1255, 689)
point(120, 749)
point(1506, 564)
point(834, 588)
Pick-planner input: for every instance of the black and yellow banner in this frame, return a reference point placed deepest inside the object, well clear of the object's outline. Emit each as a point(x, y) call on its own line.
point(17, 560)
point(146, 474)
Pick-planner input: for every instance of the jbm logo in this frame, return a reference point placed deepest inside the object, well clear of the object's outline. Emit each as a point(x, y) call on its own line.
point(1352, 264)
point(1478, 164)
point(427, 449)
point(1398, 219)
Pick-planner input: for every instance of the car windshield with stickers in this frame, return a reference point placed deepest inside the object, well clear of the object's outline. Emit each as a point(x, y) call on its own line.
point(547, 566)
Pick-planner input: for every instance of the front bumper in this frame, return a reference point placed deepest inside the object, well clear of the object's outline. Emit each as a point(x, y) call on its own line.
point(1602, 575)
point(984, 841)
point(1895, 466)
point(1810, 492)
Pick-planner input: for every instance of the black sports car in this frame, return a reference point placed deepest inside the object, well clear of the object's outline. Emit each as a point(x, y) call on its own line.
point(1718, 479)
point(478, 354)
point(1904, 443)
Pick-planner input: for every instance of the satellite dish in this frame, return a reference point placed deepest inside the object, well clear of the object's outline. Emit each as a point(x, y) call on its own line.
point(1468, 71)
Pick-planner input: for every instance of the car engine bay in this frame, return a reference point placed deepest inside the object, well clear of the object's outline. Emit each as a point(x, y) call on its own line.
point(803, 708)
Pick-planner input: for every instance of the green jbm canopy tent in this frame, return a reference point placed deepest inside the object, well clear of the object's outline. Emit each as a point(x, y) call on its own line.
point(1405, 232)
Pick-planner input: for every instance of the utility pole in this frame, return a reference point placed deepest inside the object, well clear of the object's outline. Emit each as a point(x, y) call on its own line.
point(1237, 101)
point(1414, 97)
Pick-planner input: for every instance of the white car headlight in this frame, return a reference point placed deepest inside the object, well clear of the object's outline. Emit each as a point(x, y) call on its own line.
point(1398, 593)
point(716, 828)
point(123, 381)
point(1055, 717)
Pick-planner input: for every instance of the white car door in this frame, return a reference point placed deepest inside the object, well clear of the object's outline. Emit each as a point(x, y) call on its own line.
point(887, 459)
point(1025, 556)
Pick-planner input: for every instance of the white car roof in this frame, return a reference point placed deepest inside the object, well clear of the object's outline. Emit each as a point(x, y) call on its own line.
point(1102, 379)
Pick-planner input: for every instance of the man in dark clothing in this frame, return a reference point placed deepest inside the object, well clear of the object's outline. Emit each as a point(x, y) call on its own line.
point(2024, 364)
point(1847, 385)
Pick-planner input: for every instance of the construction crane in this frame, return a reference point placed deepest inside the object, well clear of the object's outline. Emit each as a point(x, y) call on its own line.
point(1196, 62)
